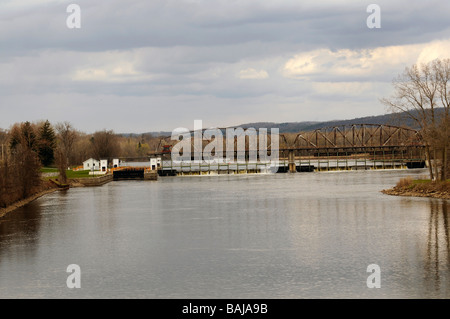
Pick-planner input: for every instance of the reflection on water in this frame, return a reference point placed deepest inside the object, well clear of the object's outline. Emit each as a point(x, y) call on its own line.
point(272, 236)
point(21, 228)
point(438, 248)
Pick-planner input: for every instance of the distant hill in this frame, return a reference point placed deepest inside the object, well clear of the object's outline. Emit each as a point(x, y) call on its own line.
point(396, 119)
point(153, 134)
point(293, 127)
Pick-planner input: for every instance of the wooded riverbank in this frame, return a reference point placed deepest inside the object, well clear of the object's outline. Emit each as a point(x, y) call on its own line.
point(46, 188)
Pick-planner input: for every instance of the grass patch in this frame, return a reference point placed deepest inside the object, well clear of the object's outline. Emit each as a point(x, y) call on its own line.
point(421, 181)
point(69, 173)
point(77, 174)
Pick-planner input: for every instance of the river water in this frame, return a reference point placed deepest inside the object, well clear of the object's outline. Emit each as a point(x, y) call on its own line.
point(304, 235)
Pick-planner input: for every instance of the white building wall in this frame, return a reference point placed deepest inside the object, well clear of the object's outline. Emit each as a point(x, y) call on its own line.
point(103, 165)
point(153, 164)
point(88, 164)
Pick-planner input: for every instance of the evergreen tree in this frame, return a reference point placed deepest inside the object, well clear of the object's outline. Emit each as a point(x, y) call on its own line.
point(47, 144)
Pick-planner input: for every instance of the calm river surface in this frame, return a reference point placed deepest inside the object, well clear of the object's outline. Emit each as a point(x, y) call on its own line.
point(305, 235)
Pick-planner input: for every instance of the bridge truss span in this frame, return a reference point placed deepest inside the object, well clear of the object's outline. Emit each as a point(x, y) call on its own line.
point(374, 145)
point(353, 136)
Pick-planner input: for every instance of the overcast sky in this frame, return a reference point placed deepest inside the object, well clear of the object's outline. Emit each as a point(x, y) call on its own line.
point(138, 66)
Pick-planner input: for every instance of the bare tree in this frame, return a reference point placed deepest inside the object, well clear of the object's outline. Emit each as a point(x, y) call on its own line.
point(67, 137)
point(422, 93)
point(442, 69)
point(25, 159)
point(105, 145)
point(82, 148)
point(4, 137)
point(64, 152)
point(61, 162)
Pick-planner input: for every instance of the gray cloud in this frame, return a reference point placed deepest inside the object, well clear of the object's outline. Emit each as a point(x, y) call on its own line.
point(155, 65)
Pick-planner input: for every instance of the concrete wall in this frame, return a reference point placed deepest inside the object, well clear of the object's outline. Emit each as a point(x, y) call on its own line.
point(151, 176)
point(96, 181)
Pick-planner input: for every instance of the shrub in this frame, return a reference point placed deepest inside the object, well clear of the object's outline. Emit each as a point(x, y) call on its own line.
point(405, 182)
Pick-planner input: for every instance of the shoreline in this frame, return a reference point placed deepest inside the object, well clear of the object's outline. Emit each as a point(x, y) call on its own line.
point(25, 201)
point(405, 193)
point(430, 190)
point(71, 183)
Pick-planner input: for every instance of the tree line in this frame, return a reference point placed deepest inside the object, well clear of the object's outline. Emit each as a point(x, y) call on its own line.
point(27, 147)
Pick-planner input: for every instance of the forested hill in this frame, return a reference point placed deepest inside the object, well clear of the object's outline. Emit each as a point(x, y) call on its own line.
point(396, 119)
point(293, 127)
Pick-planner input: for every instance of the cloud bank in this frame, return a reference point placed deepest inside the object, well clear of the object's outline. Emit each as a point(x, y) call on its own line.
point(137, 66)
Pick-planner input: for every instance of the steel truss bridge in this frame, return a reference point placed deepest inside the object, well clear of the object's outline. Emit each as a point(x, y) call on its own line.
point(355, 146)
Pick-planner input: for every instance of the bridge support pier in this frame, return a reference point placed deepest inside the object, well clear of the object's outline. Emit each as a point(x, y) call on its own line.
point(291, 160)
